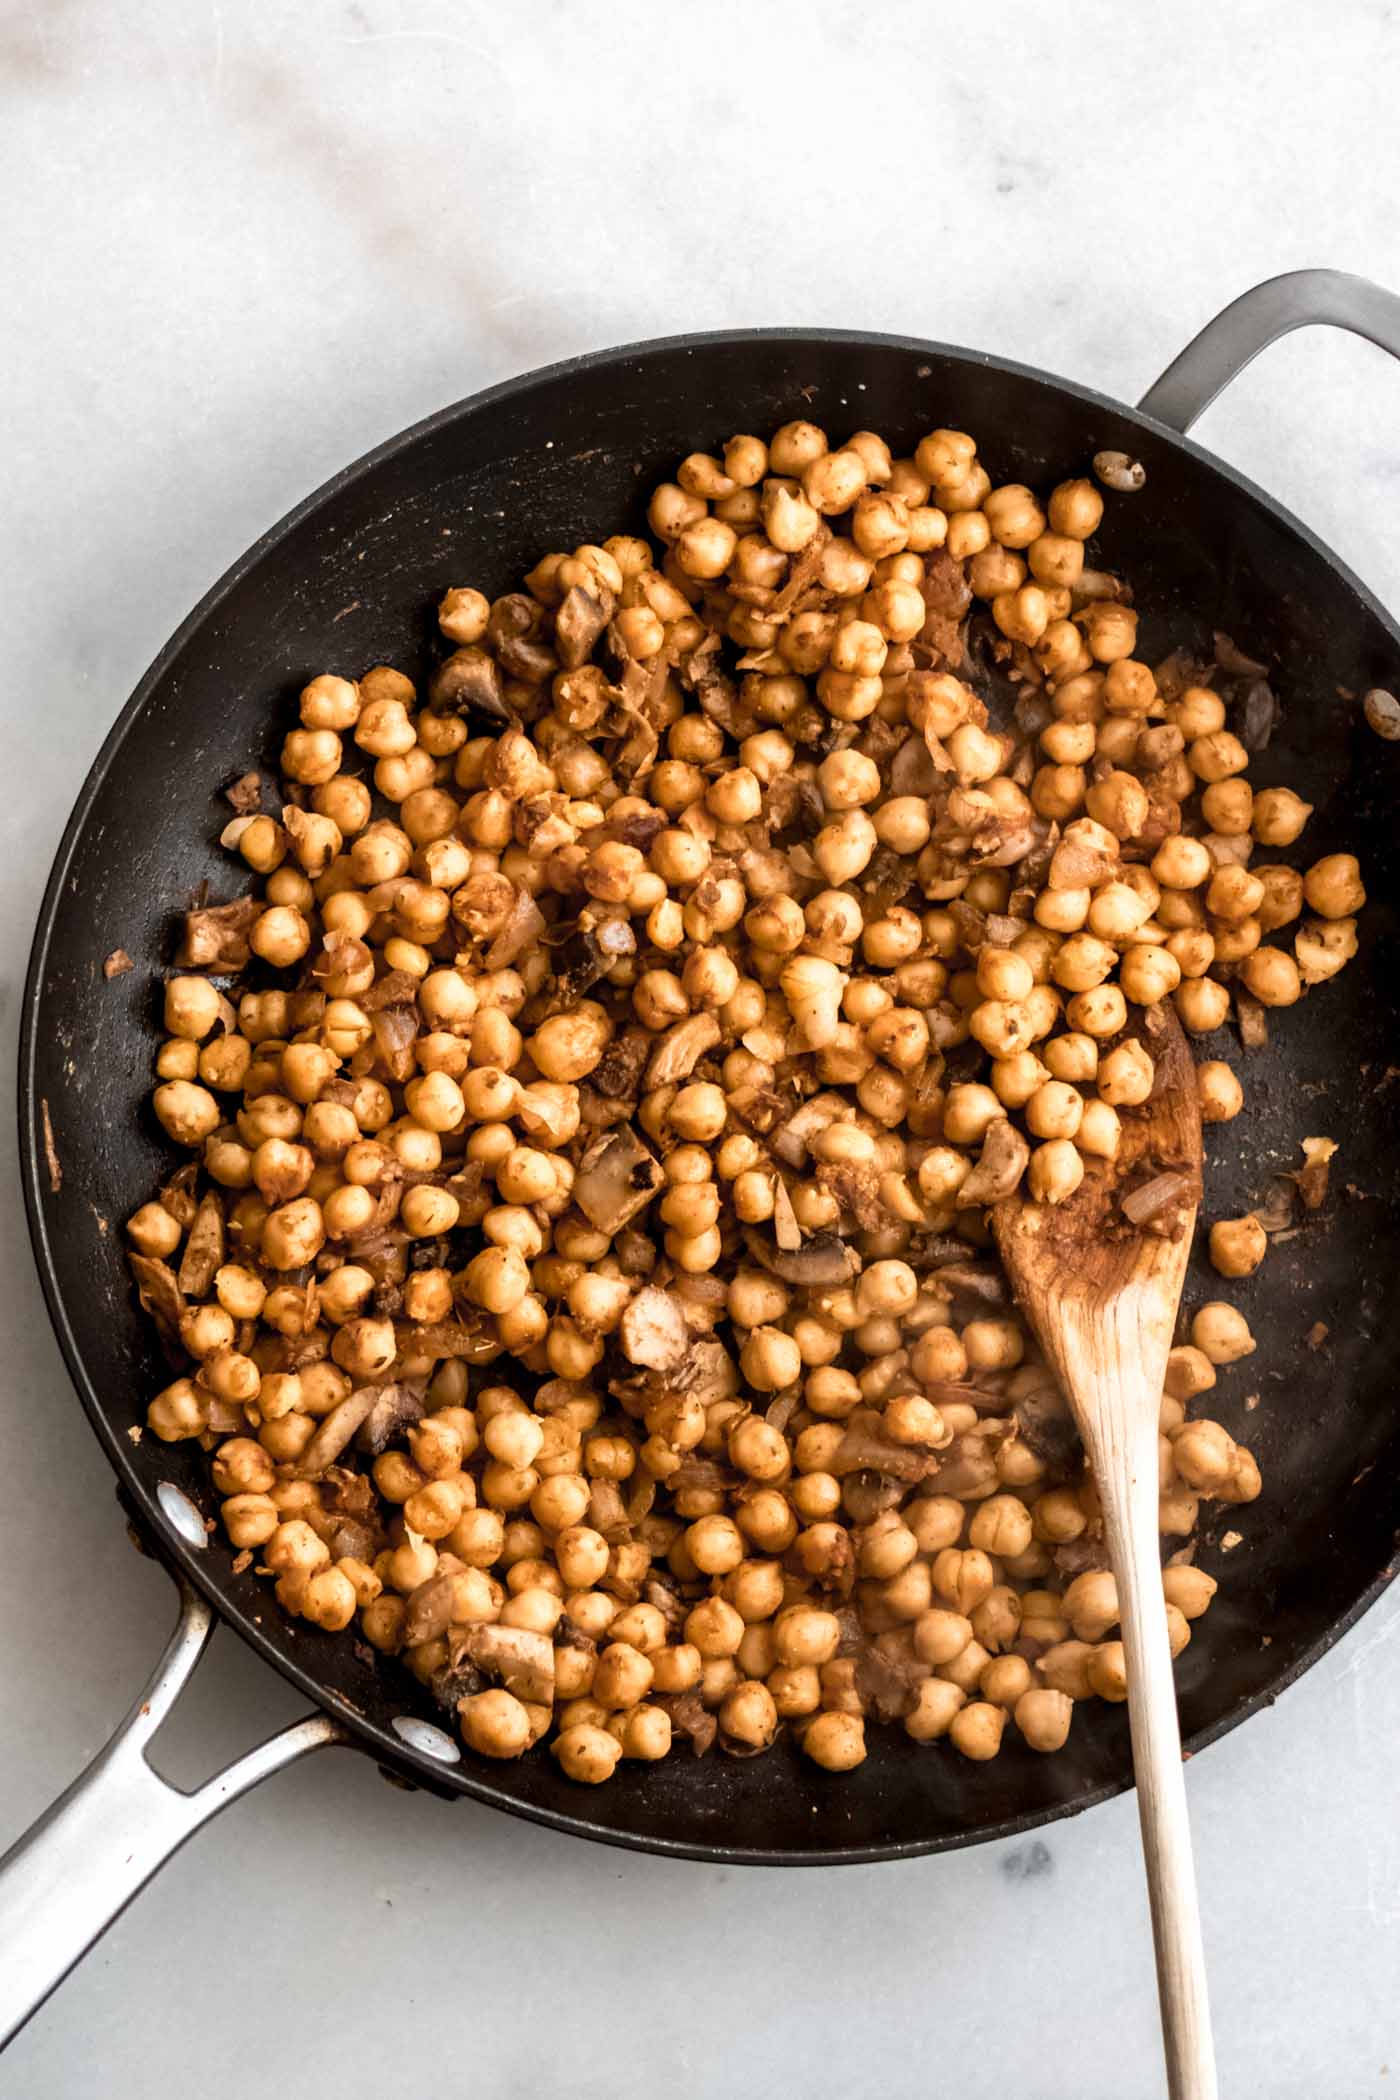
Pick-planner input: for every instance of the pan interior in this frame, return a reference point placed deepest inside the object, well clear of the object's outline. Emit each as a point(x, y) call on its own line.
point(476, 495)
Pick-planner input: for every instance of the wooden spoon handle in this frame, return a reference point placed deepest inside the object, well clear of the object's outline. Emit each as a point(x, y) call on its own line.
point(1127, 1482)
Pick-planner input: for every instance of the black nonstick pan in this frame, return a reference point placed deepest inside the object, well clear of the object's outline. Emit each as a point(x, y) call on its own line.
point(477, 493)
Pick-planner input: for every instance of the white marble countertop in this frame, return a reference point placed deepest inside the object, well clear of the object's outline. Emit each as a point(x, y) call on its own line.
point(244, 243)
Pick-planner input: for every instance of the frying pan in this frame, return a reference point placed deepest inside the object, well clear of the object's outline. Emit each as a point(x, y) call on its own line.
point(477, 493)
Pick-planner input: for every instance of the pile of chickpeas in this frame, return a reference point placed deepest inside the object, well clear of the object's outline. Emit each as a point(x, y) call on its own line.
point(582, 1279)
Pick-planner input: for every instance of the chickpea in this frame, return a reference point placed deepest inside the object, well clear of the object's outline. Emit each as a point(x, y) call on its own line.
point(1043, 1716)
point(1072, 1058)
point(1188, 1589)
point(180, 1411)
point(969, 1112)
point(962, 1578)
point(1055, 1171)
point(1202, 1005)
point(1323, 947)
point(1148, 974)
point(1126, 1075)
point(1204, 1454)
point(1189, 1372)
point(1238, 1245)
point(192, 1007)
point(152, 1231)
point(936, 1703)
point(1054, 1110)
point(623, 1676)
point(835, 1741)
point(1333, 887)
point(992, 1345)
point(1282, 899)
point(1181, 863)
point(1001, 1526)
point(748, 1715)
point(1099, 1012)
point(1278, 816)
point(586, 1753)
point(1218, 756)
point(1221, 1334)
point(1076, 508)
point(1220, 1093)
point(1090, 1604)
point(758, 1449)
point(249, 1519)
point(294, 1234)
point(646, 1733)
point(1119, 803)
point(1110, 630)
point(770, 1359)
point(1005, 1680)
point(187, 1113)
point(976, 1730)
point(1233, 894)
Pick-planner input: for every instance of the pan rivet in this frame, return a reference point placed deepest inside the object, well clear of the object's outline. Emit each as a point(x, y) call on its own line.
point(181, 1515)
point(426, 1739)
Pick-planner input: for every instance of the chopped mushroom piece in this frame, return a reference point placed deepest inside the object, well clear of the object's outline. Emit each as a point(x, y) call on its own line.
point(469, 679)
point(523, 1661)
point(999, 1167)
point(216, 936)
point(819, 1263)
point(244, 795)
point(394, 1410)
point(336, 1431)
point(681, 1049)
point(616, 1178)
point(204, 1249)
point(653, 1331)
point(577, 625)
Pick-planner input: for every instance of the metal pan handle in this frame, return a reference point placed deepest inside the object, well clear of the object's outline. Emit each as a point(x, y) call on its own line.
point(69, 1877)
point(1298, 299)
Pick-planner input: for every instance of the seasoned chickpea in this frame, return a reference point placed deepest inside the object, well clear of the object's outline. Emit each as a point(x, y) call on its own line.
point(1278, 816)
point(835, 1741)
point(1099, 1013)
point(1043, 1716)
point(1056, 1170)
point(1238, 1245)
point(587, 1753)
point(1201, 1004)
point(1220, 1093)
point(1203, 1454)
point(976, 1730)
point(936, 1704)
point(1221, 1334)
point(1076, 508)
point(187, 1113)
point(1001, 1526)
point(1189, 1589)
point(1181, 863)
point(1091, 1604)
point(1189, 1371)
point(1126, 1075)
point(1333, 886)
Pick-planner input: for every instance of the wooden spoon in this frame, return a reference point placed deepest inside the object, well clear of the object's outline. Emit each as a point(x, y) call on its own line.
point(1101, 1293)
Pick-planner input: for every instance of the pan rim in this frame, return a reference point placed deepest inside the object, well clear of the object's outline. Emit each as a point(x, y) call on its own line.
point(391, 1751)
